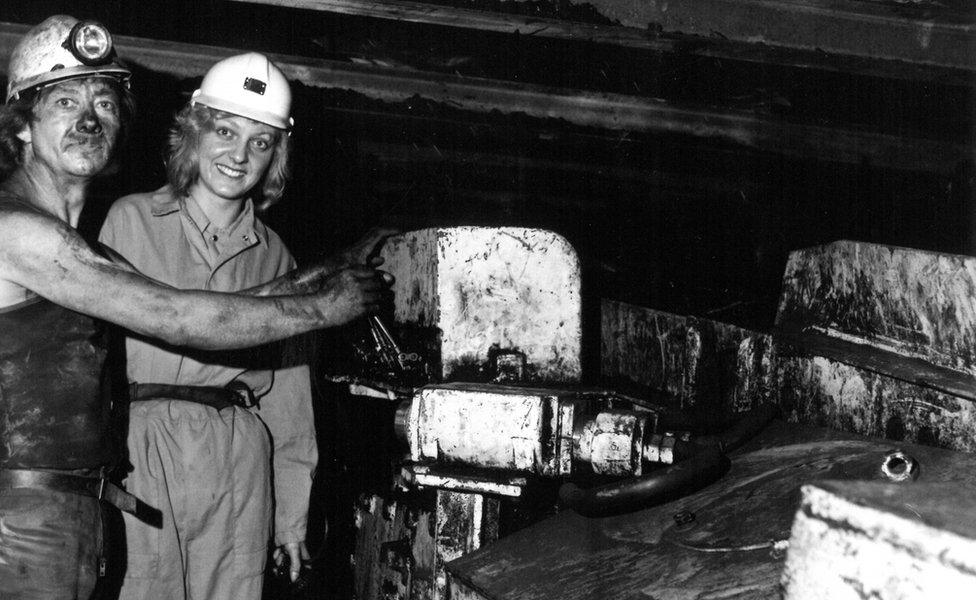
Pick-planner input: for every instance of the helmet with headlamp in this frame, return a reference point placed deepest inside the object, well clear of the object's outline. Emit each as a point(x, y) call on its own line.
point(60, 48)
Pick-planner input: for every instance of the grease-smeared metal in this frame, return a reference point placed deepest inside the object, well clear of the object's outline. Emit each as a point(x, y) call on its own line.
point(464, 523)
point(823, 392)
point(699, 362)
point(497, 427)
point(512, 288)
point(911, 301)
point(916, 303)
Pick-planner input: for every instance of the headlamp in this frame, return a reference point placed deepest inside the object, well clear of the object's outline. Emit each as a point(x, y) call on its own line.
point(90, 42)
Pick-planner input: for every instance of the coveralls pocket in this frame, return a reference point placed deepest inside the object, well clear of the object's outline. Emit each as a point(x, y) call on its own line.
point(252, 494)
point(142, 549)
point(147, 481)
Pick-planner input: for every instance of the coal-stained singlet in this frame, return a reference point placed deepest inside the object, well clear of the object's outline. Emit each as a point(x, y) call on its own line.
point(52, 413)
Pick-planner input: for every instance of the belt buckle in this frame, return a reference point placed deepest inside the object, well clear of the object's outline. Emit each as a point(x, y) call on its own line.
point(102, 483)
point(243, 392)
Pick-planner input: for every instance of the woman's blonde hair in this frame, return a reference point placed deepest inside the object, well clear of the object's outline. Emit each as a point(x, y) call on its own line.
point(182, 162)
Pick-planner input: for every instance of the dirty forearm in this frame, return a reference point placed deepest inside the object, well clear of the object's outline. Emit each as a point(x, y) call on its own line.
point(302, 280)
point(210, 320)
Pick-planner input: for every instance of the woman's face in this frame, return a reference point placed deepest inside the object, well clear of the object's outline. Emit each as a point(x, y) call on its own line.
point(234, 156)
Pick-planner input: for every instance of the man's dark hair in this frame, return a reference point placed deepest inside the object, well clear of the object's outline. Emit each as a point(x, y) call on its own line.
point(19, 112)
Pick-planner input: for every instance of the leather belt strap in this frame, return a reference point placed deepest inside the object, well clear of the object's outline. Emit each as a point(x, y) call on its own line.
point(235, 394)
point(92, 486)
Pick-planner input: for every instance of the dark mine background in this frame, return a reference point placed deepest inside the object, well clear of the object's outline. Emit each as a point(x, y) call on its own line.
point(687, 224)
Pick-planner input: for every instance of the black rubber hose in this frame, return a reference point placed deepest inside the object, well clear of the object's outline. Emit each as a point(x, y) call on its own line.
point(698, 463)
point(691, 474)
point(747, 427)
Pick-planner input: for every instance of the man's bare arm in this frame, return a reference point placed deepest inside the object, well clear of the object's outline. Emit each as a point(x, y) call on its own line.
point(46, 256)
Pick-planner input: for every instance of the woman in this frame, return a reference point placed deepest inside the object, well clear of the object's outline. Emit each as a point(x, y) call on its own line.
point(199, 423)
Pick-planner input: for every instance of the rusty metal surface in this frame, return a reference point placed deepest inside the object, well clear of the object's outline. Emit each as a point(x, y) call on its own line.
point(912, 302)
point(729, 549)
point(882, 541)
point(513, 288)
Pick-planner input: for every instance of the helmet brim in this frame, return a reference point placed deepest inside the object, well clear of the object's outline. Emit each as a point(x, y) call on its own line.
point(225, 105)
point(114, 71)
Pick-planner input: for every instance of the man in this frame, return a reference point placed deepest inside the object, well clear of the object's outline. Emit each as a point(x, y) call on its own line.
point(208, 466)
point(66, 108)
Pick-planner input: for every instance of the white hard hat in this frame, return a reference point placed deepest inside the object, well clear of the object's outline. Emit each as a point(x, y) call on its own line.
point(248, 85)
point(62, 47)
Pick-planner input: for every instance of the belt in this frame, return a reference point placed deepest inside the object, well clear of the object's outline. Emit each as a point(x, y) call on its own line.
point(95, 486)
point(234, 394)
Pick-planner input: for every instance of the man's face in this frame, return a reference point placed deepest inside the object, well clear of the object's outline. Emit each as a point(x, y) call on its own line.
point(76, 125)
point(234, 156)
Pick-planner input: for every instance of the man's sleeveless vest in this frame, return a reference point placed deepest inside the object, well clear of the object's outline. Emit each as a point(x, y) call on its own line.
point(52, 414)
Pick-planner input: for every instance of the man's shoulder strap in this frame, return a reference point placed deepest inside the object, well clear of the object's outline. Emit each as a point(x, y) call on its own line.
point(9, 201)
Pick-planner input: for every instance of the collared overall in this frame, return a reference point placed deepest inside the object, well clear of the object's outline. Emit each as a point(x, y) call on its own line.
point(208, 470)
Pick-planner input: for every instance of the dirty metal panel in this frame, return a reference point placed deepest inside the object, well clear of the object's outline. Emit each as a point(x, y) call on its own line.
point(912, 369)
point(450, 420)
point(912, 302)
point(733, 548)
point(697, 361)
point(412, 259)
point(513, 288)
point(465, 522)
point(394, 551)
point(882, 541)
point(821, 391)
point(652, 348)
point(518, 288)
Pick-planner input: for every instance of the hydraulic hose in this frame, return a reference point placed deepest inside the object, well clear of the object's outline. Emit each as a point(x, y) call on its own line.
point(743, 430)
point(698, 463)
point(669, 483)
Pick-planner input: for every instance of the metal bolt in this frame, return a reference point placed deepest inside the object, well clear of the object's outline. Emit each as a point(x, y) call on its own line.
point(684, 519)
point(898, 466)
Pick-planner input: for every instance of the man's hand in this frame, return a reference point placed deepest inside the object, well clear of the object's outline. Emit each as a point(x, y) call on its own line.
point(296, 553)
point(312, 278)
point(354, 292)
point(366, 250)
